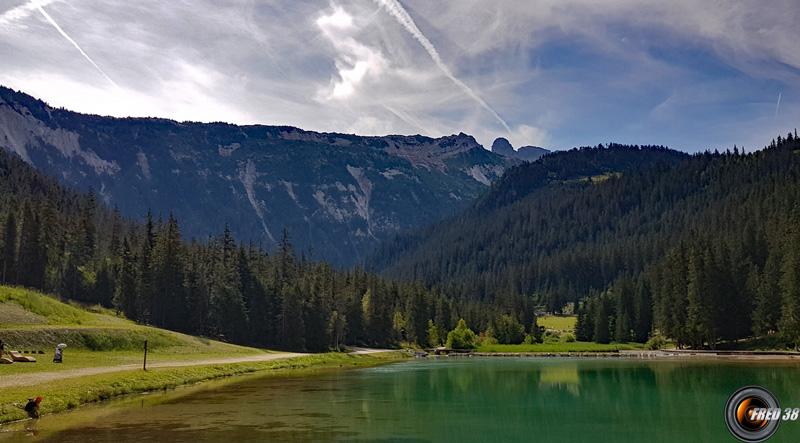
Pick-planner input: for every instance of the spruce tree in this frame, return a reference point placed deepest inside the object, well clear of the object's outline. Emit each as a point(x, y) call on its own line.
point(125, 293)
point(32, 256)
point(9, 269)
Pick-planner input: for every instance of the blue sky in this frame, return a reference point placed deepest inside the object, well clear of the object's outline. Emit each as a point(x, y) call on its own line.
point(555, 73)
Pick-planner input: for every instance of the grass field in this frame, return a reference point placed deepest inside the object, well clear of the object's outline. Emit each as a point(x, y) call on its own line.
point(97, 337)
point(576, 346)
point(564, 323)
point(31, 321)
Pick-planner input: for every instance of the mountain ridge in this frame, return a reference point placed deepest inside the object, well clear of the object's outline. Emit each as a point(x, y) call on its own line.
point(337, 194)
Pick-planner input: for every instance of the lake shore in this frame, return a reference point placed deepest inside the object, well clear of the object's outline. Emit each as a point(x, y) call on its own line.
point(66, 394)
point(646, 354)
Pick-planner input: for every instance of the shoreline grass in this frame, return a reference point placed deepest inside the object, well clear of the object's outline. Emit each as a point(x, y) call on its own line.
point(67, 394)
point(576, 346)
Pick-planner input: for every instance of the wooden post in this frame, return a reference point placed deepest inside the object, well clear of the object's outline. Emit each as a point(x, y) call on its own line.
point(144, 365)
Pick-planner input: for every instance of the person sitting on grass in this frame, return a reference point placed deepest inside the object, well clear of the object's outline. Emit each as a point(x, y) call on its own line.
point(58, 357)
point(32, 407)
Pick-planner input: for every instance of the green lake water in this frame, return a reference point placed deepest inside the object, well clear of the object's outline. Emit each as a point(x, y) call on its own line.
point(446, 400)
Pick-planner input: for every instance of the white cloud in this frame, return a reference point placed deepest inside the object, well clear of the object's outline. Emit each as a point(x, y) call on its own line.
point(15, 16)
point(355, 62)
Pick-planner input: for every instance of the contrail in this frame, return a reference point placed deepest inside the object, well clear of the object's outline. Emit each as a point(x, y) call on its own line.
point(401, 15)
point(69, 39)
point(778, 105)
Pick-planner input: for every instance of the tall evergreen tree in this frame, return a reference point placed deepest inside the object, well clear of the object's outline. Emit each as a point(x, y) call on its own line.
point(32, 255)
point(9, 269)
point(125, 293)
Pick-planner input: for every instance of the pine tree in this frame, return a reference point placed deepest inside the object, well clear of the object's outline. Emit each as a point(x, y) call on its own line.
point(643, 306)
point(167, 304)
point(337, 325)
point(9, 269)
point(768, 297)
point(125, 294)
point(292, 334)
point(144, 272)
point(434, 336)
point(601, 322)
point(698, 321)
point(104, 286)
point(88, 235)
point(417, 317)
point(32, 256)
point(316, 322)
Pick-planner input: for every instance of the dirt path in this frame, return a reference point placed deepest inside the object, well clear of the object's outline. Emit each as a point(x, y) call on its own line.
point(362, 351)
point(44, 377)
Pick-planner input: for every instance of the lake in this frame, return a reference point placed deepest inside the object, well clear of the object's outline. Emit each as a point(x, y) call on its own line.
point(445, 400)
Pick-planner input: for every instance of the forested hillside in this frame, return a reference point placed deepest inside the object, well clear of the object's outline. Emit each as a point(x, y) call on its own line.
point(519, 238)
point(66, 243)
point(703, 249)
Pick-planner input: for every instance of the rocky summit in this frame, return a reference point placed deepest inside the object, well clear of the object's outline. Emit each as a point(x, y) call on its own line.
point(502, 146)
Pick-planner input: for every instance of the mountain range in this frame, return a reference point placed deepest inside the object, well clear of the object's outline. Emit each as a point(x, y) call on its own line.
point(337, 195)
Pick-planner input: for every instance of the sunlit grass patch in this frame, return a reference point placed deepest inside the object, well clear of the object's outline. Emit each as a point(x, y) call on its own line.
point(558, 322)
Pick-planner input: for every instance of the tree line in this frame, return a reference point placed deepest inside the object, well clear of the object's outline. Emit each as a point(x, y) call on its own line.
point(70, 244)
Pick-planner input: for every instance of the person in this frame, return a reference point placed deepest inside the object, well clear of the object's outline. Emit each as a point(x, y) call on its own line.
point(58, 357)
point(32, 407)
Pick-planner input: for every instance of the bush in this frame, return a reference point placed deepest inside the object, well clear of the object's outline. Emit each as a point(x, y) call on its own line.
point(569, 338)
point(461, 337)
point(508, 330)
point(487, 339)
point(656, 342)
point(551, 336)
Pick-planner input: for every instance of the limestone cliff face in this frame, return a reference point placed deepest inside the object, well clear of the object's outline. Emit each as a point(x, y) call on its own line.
point(336, 194)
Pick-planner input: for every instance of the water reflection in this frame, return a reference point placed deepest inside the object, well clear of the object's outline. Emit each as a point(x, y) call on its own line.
point(449, 400)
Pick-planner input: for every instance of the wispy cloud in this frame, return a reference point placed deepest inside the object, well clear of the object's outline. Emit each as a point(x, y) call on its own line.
point(401, 15)
point(561, 73)
point(778, 104)
point(40, 7)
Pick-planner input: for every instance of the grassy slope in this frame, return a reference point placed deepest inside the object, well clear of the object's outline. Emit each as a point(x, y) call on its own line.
point(97, 337)
point(31, 321)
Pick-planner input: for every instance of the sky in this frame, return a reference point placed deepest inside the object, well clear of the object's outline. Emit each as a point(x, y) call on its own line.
point(692, 75)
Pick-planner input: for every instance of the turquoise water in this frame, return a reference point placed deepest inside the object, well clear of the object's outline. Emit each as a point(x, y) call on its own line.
point(449, 400)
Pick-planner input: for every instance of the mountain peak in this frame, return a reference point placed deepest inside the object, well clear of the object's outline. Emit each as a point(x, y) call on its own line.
point(503, 147)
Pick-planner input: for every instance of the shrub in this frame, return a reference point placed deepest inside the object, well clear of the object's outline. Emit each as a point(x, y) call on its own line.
point(569, 338)
point(551, 336)
point(508, 330)
point(656, 342)
point(461, 337)
point(529, 340)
